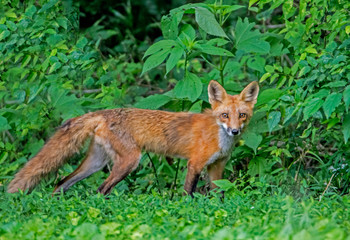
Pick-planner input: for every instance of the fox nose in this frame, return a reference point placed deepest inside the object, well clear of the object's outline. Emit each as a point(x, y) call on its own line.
point(235, 131)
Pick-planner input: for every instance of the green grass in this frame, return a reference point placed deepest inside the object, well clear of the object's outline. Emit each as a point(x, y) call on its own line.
point(83, 214)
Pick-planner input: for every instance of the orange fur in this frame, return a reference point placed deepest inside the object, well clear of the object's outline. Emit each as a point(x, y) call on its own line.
point(121, 134)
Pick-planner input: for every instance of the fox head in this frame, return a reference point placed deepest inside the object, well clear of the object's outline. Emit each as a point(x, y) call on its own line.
point(232, 112)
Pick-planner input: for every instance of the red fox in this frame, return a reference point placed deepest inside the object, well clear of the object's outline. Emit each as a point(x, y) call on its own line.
point(205, 139)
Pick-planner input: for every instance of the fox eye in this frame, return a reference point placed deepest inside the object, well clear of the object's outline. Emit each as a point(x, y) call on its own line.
point(242, 115)
point(224, 115)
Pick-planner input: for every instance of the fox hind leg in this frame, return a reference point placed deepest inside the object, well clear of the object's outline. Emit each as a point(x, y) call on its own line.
point(95, 160)
point(194, 169)
point(123, 165)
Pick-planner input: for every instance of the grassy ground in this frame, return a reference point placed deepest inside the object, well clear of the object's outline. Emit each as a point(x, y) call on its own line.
point(83, 214)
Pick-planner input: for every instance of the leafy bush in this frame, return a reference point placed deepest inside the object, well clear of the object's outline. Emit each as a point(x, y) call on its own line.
point(301, 126)
point(296, 149)
point(298, 138)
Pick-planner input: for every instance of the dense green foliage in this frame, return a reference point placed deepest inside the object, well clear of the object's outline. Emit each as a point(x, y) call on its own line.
point(61, 59)
point(244, 214)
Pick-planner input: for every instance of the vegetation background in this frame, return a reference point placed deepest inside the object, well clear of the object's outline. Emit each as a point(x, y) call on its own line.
point(289, 178)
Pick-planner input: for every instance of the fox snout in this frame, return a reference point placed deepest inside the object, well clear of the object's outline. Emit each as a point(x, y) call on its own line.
point(233, 131)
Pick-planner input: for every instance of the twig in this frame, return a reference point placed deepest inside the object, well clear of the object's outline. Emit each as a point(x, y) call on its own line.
point(329, 183)
point(297, 173)
point(271, 26)
point(288, 60)
point(91, 90)
point(10, 135)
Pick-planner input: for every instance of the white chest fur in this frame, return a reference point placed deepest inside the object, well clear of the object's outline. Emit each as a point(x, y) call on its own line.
point(226, 144)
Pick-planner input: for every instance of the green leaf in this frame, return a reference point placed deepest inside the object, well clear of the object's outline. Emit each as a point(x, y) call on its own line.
point(52, 40)
point(196, 107)
point(268, 95)
point(256, 166)
point(252, 140)
point(48, 5)
point(62, 21)
point(4, 34)
point(190, 87)
point(264, 77)
point(257, 63)
point(206, 20)
point(247, 40)
point(4, 124)
point(155, 60)
point(55, 66)
point(311, 107)
point(187, 30)
point(346, 97)
point(169, 26)
point(288, 9)
point(175, 55)
point(303, 71)
point(332, 101)
point(26, 60)
point(232, 8)
point(289, 113)
point(11, 25)
point(30, 11)
point(159, 46)
point(224, 184)
point(209, 49)
point(346, 127)
point(153, 102)
point(335, 84)
point(273, 120)
point(81, 43)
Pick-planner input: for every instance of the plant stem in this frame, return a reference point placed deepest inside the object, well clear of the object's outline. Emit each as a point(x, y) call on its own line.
point(177, 170)
point(186, 61)
point(329, 183)
point(155, 172)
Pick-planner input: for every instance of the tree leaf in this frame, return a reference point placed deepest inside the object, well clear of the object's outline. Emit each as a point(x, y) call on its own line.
point(209, 49)
point(224, 184)
point(257, 166)
point(175, 55)
point(311, 107)
point(48, 5)
point(155, 60)
point(190, 87)
point(81, 43)
point(159, 46)
point(268, 95)
point(346, 97)
point(153, 102)
point(252, 140)
point(332, 101)
point(273, 120)
point(206, 20)
point(257, 63)
point(169, 26)
point(248, 40)
point(232, 8)
point(4, 124)
point(55, 66)
point(30, 10)
point(335, 84)
point(346, 127)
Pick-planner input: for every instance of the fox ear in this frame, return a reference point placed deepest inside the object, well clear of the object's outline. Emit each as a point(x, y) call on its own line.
point(250, 93)
point(216, 92)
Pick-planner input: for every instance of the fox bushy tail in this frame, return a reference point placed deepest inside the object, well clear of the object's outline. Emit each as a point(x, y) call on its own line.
point(63, 144)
